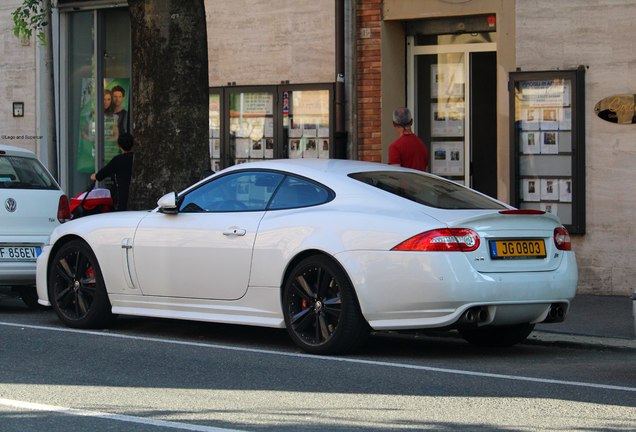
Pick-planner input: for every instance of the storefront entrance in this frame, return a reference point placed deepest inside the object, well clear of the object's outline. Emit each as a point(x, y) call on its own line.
point(95, 70)
point(452, 89)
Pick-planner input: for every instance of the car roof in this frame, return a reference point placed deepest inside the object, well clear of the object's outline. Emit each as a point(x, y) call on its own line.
point(317, 167)
point(16, 151)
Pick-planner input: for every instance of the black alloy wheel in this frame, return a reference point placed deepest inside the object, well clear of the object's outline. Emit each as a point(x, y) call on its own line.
point(321, 311)
point(76, 287)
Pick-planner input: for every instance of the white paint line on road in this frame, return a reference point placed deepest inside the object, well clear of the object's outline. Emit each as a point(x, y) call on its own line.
point(108, 416)
point(333, 359)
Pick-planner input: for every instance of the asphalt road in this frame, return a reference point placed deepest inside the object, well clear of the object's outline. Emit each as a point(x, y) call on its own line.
point(163, 375)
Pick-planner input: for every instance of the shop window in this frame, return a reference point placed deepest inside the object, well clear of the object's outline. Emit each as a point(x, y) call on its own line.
point(251, 126)
point(270, 122)
point(307, 124)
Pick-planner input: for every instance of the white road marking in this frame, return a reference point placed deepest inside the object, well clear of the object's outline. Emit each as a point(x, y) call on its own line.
point(108, 416)
point(333, 359)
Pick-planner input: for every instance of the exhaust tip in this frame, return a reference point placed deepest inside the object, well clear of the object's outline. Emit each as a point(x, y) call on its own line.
point(556, 313)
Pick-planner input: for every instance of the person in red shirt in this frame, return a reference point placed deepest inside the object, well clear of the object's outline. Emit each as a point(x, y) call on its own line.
point(408, 150)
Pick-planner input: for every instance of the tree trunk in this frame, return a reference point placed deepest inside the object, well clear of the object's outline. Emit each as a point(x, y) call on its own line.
point(169, 97)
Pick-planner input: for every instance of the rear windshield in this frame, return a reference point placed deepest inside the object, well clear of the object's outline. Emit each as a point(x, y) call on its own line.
point(24, 173)
point(430, 191)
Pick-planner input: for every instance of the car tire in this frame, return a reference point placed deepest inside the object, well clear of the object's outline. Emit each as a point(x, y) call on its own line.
point(321, 311)
point(76, 287)
point(497, 336)
point(29, 296)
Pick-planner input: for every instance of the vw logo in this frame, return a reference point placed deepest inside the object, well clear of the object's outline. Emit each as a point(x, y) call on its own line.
point(10, 205)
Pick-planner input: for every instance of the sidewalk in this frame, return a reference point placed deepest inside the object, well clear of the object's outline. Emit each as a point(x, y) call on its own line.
point(603, 321)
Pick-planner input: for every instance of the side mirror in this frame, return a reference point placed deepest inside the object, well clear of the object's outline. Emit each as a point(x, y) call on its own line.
point(168, 203)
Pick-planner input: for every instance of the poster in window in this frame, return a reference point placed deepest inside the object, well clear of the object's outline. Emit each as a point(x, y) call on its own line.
point(567, 90)
point(257, 151)
point(447, 80)
point(549, 189)
point(294, 149)
point(530, 142)
point(309, 130)
point(115, 120)
point(447, 119)
point(542, 93)
point(530, 190)
point(242, 149)
point(268, 129)
point(295, 132)
point(565, 118)
point(323, 148)
point(565, 190)
point(269, 148)
point(530, 118)
point(549, 142)
point(311, 149)
point(551, 208)
point(448, 158)
point(215, 148)
point(550, 118)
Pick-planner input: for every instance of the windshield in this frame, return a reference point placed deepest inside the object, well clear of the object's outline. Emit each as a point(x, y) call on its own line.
point(430, 191)
point(24, 173)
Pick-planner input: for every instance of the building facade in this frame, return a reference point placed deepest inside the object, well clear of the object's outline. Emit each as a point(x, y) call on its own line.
point(399, 42)
point(508, 95)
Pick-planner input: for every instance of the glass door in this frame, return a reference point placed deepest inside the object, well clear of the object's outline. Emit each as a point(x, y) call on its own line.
point(440, 94)
point(97, 83)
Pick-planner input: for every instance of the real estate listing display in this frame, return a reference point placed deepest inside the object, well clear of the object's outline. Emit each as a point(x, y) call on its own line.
point(548, 145)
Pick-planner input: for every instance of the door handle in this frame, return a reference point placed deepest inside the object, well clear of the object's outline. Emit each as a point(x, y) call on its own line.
point(234, 231)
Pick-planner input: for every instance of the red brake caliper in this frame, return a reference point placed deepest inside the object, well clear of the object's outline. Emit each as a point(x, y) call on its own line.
point(90, 272)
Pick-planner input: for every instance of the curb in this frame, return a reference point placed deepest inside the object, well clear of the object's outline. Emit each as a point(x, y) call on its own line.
point(574, 340)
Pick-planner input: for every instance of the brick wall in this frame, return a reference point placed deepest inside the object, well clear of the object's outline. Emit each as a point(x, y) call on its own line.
point(368, 87)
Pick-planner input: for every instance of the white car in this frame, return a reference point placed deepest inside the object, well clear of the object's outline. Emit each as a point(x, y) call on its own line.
point(329, 249)
point(32, 205)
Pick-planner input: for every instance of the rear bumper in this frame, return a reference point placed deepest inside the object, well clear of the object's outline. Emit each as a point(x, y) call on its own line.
point(405, 290)
point(20, 272)
point(17, 273)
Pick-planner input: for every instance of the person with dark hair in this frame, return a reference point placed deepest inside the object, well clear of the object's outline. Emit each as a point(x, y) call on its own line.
point(118, 94)
point(408, 150)
point(119, 169)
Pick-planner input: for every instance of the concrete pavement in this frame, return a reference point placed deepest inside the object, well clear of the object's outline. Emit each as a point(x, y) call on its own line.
point(602, 321)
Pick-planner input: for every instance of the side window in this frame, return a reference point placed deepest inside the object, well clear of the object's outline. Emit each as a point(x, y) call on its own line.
point(239, 191)
point(295, 192)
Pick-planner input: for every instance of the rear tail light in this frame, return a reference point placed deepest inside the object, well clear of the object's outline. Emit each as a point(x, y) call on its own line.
point(562, 239)
point(442, 240)
point(63, 210)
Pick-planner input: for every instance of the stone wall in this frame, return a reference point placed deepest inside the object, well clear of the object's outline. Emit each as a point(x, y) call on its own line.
point(601, 35)
point(17, 84)
point(266, 42)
